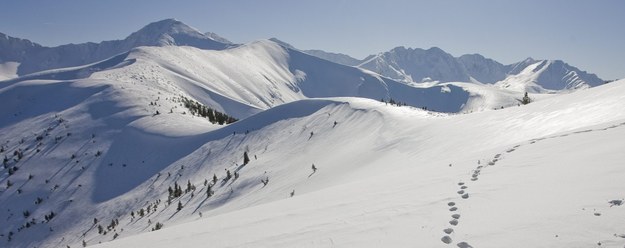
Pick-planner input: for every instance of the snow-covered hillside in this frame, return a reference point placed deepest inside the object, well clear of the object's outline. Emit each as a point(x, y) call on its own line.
point(256, 76)
point(408, 178)
point(101, 147)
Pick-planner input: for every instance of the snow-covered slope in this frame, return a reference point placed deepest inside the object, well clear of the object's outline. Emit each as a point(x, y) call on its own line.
point(550, 75)
point(405, 178)
point(256, 76)
point(95, 148)
point(169, 32)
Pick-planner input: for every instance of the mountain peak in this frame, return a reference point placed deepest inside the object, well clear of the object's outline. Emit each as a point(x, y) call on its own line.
point(172, 32)
point(160, 32)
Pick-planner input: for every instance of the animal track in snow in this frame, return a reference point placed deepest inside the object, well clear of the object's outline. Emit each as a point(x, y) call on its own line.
point(455, 216)
point(446, 239)
point(448, 230)
point(465, 196)
point(463, 187)
point(453, 209)
point(451, 204)
point(453, 222)
point(460, 192)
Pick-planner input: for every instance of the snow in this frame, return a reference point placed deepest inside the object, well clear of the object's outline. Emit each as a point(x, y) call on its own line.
point(8, 70)
point(544, 180)
point(106, 138)
point(548, 76)
point(383, 176)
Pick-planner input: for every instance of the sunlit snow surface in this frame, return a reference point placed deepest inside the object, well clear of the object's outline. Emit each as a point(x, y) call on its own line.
point(386, 174)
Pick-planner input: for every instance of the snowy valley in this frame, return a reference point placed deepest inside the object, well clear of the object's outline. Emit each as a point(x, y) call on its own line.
point(175, 137)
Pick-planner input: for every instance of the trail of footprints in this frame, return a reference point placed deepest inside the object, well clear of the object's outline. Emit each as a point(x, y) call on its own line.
point(462, 192)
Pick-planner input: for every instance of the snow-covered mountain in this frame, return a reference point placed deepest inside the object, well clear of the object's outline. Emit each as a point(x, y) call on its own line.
point(123, 149)
point(417, 65)
point(550, 75)
point(33, 57)
point(338, 58)
point(257, 76)
point(483, 69)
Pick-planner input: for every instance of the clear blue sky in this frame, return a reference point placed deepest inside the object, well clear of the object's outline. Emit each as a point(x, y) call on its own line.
point(587, 34)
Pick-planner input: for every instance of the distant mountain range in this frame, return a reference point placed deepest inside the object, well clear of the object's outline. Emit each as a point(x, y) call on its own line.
point(34, 57)
point(419, 65)
point(408, 65)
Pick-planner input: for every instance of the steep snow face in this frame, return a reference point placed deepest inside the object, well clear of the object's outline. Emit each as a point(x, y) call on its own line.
point(338, 58)
point(550, 75)
point(407, 178)
point(482, 69)
point(243, 80)
point(170, 32)
point(417, 65)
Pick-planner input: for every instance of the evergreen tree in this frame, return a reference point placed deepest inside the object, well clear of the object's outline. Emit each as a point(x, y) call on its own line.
point(246, 159)
point(526, 99)
point(179, 206)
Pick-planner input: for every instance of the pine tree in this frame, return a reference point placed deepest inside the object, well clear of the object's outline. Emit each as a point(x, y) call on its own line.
point(246, 159)
point(526, 99)
point(209, 191)
point(179, 206)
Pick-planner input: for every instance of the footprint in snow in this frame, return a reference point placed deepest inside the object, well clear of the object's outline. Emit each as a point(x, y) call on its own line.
point(464, 245)
point(465, 196)
point(460, 192)
point(451, 204)
point(446, 239)
point(455, 216)
point(460, 183)
point(453, 222)
point(453, 209)
point(448, 230)
point(463, 187)
point(615, 203)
